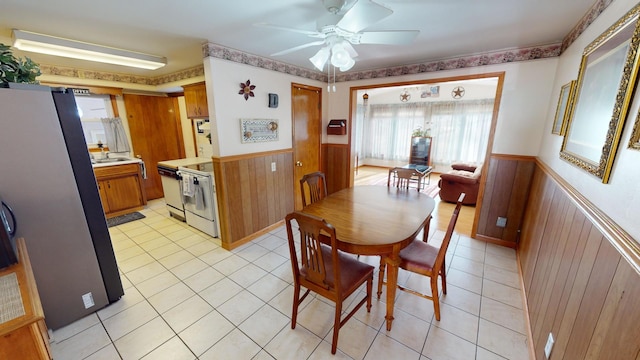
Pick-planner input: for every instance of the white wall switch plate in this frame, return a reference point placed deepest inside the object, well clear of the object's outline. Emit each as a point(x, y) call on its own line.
point(87, 299)
point(273, 166)
point(548, 346)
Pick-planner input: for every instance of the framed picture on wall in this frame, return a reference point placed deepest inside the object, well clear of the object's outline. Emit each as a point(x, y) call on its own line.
point(259, 130)
point(606, 79)
point(563, 109)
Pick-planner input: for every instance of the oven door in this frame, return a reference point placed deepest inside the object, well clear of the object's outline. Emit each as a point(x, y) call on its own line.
point(201, 203)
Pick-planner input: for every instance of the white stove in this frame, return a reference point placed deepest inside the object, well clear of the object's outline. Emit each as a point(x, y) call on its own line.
point(199, 199)
point(171, 182)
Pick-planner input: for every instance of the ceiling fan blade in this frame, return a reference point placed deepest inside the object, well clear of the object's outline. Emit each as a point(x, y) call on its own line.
point(363, 14)
point(299, 47)
point(391, 37)
point(305, 32)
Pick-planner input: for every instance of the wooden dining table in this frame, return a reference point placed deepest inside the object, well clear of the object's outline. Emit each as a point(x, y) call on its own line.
point(376, 220)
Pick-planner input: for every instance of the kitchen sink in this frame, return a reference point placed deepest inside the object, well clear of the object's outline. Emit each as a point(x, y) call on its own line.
point(108, 160)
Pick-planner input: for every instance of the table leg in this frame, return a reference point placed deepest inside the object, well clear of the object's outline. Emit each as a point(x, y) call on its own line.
point(393, 261)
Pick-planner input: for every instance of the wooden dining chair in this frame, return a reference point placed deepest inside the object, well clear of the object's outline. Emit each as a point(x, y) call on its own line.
point(425, 259)
point(401, 177)
point(323, 269)
point(317, 187)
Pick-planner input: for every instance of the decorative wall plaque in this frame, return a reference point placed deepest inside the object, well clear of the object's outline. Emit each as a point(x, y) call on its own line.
point(259, 130)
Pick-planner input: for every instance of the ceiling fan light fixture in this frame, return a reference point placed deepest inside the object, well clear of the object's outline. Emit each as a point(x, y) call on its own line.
point(348, 65)
point(340, 56)
point(320, 58)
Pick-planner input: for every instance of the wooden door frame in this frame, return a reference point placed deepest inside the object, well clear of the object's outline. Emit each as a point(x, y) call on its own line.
point(293, 130)
point(494, 120)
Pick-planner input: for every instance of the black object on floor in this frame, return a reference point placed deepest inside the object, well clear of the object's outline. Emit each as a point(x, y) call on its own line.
point(122, 219)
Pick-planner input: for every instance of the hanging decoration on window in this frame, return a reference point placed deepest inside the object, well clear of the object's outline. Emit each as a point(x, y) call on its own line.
point(246, 89)
point(457, 92)
point(405, 96)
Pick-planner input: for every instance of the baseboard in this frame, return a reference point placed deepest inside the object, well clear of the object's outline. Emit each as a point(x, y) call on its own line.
point(496, 241)
point(246, 239)
point(525, 307)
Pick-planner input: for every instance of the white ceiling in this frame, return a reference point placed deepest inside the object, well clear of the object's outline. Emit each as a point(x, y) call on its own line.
point(177, 29)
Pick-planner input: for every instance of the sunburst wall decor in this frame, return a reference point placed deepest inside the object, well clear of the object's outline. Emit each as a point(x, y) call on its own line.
point(246, 89)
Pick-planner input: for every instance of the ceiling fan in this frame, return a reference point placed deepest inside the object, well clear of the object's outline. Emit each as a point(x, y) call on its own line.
point(342, 27)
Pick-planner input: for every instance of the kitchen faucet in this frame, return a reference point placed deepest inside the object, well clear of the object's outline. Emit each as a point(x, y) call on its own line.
point(105, 155)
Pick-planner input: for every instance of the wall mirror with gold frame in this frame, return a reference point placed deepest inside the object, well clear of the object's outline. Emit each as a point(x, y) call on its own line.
point(564, 108)
point(604, 87)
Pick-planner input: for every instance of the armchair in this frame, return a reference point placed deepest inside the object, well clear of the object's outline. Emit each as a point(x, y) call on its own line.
point(463, 178)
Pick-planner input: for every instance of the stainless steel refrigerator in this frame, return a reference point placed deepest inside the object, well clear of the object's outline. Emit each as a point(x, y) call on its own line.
point(47, 178)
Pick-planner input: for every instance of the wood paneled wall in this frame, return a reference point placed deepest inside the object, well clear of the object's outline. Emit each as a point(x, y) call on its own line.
point(505, 194)
point(577, 284)
point(251, 197)
point(335, 165)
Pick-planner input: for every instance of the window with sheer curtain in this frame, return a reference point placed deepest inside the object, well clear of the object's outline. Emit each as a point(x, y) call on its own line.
point(460, 130)
point(387, 128)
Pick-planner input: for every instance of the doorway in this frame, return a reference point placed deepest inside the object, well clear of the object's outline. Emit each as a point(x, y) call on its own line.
point(405, 92)
point(306, 105)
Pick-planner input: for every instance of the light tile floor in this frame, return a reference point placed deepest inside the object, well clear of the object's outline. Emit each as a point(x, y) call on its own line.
point(187, 298)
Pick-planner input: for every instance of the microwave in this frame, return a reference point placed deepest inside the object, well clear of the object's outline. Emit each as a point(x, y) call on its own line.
point(8, 253)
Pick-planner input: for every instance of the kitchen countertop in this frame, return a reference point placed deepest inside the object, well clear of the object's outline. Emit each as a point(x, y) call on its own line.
point(115, 163)
point(175, 164)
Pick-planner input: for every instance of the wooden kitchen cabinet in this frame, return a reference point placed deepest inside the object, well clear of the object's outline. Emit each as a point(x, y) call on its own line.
point(24, 336)
point(195, 97)
point(121, 189)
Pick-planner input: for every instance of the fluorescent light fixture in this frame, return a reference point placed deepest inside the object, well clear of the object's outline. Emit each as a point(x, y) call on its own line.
point(44, 44)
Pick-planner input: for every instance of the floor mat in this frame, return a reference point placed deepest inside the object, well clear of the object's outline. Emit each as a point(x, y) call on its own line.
point(122, 219)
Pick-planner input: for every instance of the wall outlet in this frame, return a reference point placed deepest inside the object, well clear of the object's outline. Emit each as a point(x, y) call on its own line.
point(548, 346)
point(87, 299)
point(273, 166)
point(502, 222)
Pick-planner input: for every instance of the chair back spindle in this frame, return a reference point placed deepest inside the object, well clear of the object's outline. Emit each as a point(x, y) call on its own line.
point(317, 187)
point(401, 177)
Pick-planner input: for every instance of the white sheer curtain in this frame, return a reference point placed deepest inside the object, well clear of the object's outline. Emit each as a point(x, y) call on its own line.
point(460, 131)
point(115, 134)
point(387, 128)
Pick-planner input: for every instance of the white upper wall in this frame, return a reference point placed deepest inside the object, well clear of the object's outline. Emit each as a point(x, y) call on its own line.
point(525, 100)
point(223, 80)
point(620, 198)
point(474, 90)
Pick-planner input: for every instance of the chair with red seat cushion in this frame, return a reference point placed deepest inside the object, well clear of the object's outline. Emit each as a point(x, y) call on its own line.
point(425, 259)
point(323, 269)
